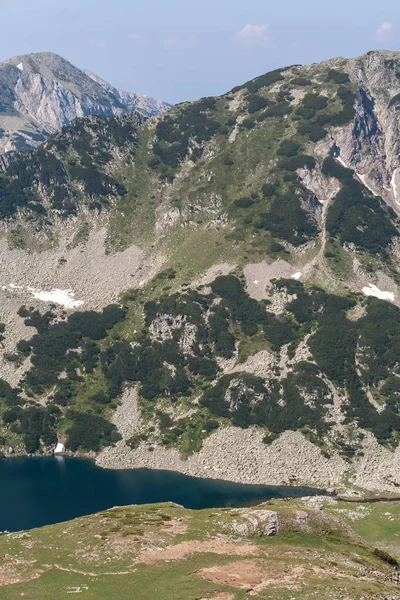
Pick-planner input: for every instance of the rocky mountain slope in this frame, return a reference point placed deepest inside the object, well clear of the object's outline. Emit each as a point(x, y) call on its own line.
point(214, 289)
point(42, 92)
point(275, 551)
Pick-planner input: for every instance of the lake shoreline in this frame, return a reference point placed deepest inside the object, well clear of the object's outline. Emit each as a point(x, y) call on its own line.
point(93, 458)
point(38, 491)
point(241, 456)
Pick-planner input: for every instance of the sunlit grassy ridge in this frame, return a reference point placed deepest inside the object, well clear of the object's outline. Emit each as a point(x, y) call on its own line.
point(160, 551)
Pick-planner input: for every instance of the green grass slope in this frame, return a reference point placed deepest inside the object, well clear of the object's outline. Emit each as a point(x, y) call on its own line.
point(163, 551)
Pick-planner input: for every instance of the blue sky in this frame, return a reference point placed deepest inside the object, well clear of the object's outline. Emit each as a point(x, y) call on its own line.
point(180, 50)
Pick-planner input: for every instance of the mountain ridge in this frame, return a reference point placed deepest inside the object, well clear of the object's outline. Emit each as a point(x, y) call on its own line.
point(247, 247)
point(41, 92)
point(306, 547)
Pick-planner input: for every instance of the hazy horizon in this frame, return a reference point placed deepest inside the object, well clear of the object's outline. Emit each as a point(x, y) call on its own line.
point(180, 50)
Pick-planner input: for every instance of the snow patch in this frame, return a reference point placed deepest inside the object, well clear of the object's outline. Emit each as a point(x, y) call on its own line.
point(64, 297)
point(59, 448)
point(20, 66)
point(296, 275)
point(372, 290)
point(341, 161)
point(394, 186)
point(362, 178)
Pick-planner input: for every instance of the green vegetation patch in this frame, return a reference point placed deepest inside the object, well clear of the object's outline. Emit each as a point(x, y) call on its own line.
point(394, 101)
point(69, 347)
point(286, 217)
point(89, 432)
point(187, 128)
point(337, 76)
point(357, 217)
point(263, 81)
point(301, 81)
point(247, 400)
point(334, 345)
point(322, 560)
point(174, 359)
point(314, 113)
point(77, 155)
point(256, 102)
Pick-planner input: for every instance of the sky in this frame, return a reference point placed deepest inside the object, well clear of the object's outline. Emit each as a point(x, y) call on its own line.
point(178, 50)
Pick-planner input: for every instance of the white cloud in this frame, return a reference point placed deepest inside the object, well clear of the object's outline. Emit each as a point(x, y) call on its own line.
point(178, 41)
point(253, 35)
point(96, 43)
point(384, 31)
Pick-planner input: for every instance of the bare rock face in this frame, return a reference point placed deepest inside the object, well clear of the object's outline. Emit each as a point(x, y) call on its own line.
point(163, 327)
point(147, 105)
point(40, 93)
point(370, 145)
point(257, 522)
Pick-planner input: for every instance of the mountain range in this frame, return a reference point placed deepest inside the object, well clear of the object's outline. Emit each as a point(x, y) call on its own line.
point(214, 289)
point(42, 92)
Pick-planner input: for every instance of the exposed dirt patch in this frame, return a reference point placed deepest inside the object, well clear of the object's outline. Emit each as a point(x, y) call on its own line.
point(256, 575)
point(188, 548)
point(175, 527)
point(253, 575)
point(16, 571)
point(259, 276)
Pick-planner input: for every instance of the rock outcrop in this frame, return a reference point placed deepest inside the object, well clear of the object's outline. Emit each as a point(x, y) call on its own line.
point(370, 144)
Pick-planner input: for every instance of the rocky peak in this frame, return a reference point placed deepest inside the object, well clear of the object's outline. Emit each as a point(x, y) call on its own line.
point(42, 92)
point(369, 144)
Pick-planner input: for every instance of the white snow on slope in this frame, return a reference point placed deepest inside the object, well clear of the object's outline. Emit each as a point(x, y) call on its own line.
point(20, 66)
point(296, 275)
point(64, 297)
point(394, 186)
point(362, 177)
point(372, 290)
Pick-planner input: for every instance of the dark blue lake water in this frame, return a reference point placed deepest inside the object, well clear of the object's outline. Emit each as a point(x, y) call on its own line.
point(40, 491)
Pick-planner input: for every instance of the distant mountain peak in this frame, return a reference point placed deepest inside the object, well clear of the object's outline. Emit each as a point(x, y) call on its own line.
point(42, 92)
